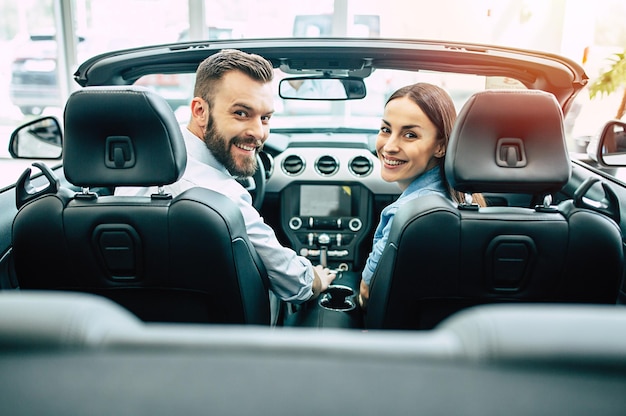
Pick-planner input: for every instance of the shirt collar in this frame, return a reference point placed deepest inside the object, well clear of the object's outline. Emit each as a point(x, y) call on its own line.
point(429, 179)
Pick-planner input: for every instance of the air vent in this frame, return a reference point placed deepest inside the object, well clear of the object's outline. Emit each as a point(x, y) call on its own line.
point(326, 165)
point(293, 165)
point(360, 166)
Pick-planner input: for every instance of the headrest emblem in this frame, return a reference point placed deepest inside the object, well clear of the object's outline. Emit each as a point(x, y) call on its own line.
point(510, 153)
point(119, 152)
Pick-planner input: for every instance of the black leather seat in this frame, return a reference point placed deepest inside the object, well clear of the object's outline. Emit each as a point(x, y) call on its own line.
point(181, 259)
point(441, 258)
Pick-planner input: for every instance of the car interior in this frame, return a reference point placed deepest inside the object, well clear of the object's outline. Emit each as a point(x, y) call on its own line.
point(159, 304)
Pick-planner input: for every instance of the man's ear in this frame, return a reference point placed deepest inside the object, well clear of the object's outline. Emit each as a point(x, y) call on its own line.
point(200, 111)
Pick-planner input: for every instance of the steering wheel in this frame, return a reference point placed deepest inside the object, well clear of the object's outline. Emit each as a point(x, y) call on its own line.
point(259, 179)
point(255, 184)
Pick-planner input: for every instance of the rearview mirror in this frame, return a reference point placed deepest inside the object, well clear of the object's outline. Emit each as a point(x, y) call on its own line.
point(611, 147)
point(324, 89)
point(38, 139)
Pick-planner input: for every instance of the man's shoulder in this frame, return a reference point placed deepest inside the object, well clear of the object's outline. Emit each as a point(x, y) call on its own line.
point(207, 176)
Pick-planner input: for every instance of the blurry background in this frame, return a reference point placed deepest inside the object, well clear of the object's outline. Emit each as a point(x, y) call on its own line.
point(42, 41)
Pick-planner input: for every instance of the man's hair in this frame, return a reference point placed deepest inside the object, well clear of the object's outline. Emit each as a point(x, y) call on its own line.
point(213, 68)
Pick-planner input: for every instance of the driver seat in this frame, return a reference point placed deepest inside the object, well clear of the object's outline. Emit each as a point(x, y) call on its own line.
point(166, 259)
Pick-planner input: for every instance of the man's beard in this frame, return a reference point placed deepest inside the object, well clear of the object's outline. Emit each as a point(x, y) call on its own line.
point(220, 148)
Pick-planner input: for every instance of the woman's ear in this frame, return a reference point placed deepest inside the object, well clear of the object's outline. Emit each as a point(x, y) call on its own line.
point(441, 150)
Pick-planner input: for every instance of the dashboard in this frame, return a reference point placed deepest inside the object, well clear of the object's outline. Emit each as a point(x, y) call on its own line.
point(328, 195)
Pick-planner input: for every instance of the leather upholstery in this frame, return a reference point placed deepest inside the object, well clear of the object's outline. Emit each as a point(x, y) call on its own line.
point(133, 123)
point(185, 259)
point(441, 258)
point(508, 141)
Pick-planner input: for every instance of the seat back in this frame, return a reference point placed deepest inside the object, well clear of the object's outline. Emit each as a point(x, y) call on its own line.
point(441, 257)
point(179, 259)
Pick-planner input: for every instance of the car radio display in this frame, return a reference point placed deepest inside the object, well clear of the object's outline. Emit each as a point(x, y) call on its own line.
point(325, 201)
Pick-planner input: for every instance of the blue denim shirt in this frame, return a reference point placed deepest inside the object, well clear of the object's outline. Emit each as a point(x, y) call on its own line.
point(429, 182)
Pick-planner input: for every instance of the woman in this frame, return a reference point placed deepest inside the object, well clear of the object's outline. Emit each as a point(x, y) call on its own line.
point(411, 146)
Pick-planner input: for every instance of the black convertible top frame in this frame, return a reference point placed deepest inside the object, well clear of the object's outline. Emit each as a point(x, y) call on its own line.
point(537, 70)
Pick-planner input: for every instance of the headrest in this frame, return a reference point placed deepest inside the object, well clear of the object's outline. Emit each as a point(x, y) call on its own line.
point(121, 135)
point(508, 141)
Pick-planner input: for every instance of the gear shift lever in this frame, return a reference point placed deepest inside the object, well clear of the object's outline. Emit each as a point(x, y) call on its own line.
point(323, 240)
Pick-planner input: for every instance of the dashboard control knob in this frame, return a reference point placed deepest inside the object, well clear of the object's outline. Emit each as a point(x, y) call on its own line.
point(323, 240)
point(355, 224)
point(295, 223)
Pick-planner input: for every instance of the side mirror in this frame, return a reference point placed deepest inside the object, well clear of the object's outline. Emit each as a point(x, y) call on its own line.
point(610, 149)
point(38, 139)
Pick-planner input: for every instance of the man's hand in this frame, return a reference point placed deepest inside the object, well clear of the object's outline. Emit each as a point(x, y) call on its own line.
point(323, 277)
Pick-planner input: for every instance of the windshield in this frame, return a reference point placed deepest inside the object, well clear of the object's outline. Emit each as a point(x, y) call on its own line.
point(321, 112)
point(367, 112)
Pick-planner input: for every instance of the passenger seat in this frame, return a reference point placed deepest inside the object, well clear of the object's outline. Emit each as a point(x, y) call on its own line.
point(441, 257)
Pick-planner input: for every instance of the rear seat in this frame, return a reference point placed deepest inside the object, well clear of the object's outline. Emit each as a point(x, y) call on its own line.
point(580, 333)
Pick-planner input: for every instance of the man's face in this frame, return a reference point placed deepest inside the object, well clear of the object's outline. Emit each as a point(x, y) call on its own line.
point(238, 122)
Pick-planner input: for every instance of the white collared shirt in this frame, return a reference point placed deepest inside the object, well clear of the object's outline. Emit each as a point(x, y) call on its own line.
point(290, 275)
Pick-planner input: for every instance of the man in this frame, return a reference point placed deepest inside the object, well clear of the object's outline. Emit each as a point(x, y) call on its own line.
point(230, 114)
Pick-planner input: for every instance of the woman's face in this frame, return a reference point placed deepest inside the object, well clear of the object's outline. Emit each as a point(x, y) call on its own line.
point(407, 143)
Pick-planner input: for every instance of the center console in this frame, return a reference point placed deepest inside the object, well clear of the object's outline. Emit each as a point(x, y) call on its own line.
point(327, 222)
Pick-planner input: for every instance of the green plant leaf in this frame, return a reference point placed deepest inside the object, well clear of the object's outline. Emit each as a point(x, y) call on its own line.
point(612, 79)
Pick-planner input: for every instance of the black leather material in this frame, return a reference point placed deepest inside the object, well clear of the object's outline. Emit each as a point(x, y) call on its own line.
point(192, 258)
point(493, 126)
point(131, 120)
point(441, 258)
point(181, 259)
